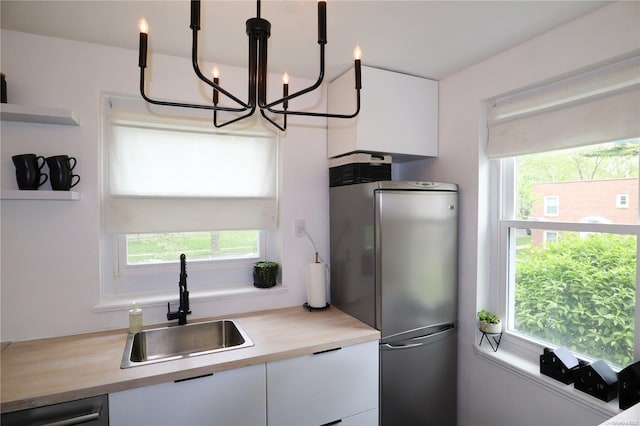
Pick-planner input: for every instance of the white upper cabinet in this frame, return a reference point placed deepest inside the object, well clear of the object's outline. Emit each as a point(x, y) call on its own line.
point(398, 114)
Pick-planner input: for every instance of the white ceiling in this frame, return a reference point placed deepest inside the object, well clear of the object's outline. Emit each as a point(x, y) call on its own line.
point(432, 39)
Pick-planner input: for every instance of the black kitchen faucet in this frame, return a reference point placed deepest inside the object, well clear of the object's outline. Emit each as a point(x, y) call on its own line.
point(183, 309)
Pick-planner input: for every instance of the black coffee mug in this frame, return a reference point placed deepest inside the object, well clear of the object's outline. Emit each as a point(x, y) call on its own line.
point(60, 172)
point(28, 171)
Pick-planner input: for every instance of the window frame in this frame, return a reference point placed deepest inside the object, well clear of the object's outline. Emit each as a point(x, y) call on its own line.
point(503, 220)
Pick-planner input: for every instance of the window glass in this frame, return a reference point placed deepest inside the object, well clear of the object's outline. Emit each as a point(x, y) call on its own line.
point(578, 291)
point(145, 249)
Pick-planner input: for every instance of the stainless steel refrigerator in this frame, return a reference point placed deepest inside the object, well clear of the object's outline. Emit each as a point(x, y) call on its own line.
point(394, 266)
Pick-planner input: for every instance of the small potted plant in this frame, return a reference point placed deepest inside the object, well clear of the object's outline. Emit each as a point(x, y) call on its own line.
point(489, 323)
point(264, 274)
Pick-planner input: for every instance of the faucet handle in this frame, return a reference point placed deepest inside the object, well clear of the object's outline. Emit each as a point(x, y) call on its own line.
point(171, 315)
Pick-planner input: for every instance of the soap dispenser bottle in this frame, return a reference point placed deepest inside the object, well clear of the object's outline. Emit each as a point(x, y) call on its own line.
point(135, 319)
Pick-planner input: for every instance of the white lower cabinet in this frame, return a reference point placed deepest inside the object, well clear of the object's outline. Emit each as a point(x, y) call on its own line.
point(228, 398)
point(312, 390)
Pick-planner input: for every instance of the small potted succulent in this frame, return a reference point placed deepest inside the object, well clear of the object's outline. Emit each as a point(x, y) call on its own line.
point(264, 274)
point(489, 323)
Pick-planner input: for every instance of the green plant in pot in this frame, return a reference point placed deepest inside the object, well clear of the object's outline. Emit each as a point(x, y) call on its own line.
point(264, 274)
point(489, 322)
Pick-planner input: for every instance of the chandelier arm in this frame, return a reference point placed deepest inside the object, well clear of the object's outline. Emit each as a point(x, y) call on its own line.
point(320, 114)
point(303, 91)
point(176, 104)
point(180, 104)
point(273, 122)
point(201, 76)
point(218, 126)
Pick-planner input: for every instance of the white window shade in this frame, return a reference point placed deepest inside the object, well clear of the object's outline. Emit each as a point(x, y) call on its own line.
point(594, 107)
point(173, 176)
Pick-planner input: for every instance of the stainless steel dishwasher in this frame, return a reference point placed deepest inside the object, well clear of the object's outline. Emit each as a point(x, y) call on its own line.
point(87, 411)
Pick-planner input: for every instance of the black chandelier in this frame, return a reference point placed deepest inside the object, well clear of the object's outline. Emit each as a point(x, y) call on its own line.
point(258, 30)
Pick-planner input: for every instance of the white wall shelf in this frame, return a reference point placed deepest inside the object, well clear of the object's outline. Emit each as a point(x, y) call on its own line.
point(34, 114)
point(40, 195)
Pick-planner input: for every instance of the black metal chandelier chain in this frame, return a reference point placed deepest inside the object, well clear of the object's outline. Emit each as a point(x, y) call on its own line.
point(258, 31)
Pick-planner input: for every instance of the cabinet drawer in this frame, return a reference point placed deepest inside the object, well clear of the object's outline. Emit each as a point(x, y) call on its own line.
point(235, 397)
point(92, 411)
point(324, 387)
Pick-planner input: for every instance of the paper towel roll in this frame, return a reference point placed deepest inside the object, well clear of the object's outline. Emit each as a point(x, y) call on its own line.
point(316, 285)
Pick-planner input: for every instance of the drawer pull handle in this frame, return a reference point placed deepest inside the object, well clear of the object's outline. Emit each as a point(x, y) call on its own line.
point(335, 422)
point(324, 352)
point(192, 378)
point(75, 420)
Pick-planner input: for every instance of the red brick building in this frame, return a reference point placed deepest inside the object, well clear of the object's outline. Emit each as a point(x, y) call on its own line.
point(600, 201)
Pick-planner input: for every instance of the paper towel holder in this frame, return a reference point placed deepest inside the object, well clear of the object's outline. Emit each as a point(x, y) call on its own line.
point(311, 308)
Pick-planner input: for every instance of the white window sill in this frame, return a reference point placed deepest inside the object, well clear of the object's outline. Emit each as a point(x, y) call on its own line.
point(123, 302)
point(529, 370)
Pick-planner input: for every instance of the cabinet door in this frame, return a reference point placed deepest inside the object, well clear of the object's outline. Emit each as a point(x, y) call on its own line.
point(231, 398)
point(398, 114)
point(322, 388)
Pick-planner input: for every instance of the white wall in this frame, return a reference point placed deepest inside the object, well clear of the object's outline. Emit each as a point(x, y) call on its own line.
point(51, 249)
point(489, 395)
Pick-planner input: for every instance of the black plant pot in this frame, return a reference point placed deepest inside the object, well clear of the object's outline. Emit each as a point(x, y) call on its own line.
point(264, 274)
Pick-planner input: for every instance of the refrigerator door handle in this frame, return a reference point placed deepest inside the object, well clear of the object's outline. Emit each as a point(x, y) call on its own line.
point(402, 346)
point(422, 340)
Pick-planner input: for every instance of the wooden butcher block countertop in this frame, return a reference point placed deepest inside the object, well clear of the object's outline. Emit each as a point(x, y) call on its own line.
point(49, 371)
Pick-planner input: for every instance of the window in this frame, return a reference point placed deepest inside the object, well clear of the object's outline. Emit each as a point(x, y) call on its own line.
point(575, 138)
point(173, 185)
point(622, 201)
point(572, 281)
point(550, 237)
point(551, 205)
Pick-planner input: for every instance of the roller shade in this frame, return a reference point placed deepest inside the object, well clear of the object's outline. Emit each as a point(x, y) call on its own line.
point(171, 175)
point(595, 107)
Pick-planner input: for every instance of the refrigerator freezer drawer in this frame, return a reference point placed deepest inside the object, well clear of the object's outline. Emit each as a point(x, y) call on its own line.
point(419, 377)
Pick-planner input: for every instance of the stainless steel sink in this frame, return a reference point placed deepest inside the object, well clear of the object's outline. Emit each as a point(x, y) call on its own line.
point(183, 341)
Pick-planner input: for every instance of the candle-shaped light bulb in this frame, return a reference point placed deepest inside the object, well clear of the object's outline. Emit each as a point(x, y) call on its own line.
point(322, 22)
point(357, 54)
point(285, 89)
point(216, 80)
point(143, 26)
